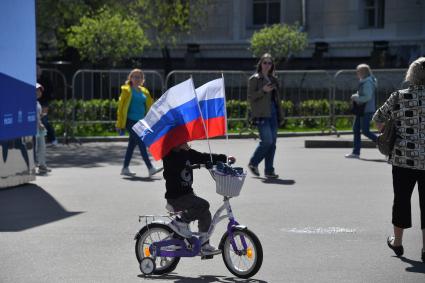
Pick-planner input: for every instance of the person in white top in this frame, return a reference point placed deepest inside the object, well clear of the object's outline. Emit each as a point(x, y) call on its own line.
point(40, 137)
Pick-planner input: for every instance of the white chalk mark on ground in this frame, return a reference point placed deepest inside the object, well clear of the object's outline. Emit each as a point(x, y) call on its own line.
point(319, 230)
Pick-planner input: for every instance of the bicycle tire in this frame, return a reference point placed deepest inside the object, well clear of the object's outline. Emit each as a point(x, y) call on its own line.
point(256, 250)
point(143, 234)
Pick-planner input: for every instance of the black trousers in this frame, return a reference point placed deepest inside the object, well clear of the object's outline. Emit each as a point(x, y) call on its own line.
point(194, 208)
point(404, 181)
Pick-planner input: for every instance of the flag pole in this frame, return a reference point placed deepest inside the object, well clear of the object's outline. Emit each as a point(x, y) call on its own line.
point(225, 108)
point(202, 118)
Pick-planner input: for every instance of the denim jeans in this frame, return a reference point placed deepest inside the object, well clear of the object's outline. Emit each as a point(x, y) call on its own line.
point(134, 140)
point(51, 136)
point(267, 127)
point(362, 123)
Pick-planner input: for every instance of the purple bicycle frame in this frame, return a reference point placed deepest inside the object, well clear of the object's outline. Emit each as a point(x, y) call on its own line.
point(232, 223)
point(192, 251)
point(183, 252)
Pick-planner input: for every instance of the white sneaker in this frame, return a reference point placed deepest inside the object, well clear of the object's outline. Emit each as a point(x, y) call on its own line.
point(154, 170)
point(127, 172)
point(207, 249)
point(181, 228)
point(352, 155)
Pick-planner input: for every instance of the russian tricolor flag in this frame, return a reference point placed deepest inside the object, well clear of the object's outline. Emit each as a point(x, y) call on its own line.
point(212, 103)
point(178, 117)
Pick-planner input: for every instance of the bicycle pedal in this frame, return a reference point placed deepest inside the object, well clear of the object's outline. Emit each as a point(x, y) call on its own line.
point(207, 257)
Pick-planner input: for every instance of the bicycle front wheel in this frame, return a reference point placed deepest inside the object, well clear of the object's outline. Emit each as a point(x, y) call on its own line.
point(246, 260)
point(149, 234)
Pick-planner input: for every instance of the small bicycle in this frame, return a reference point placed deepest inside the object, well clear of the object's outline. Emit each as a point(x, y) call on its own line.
point(159, 248)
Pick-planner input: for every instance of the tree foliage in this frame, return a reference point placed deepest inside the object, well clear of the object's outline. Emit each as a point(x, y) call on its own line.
point(167, 20)
point(107, 35)
point(280, 40)
point(60, 21)
point(54, 17)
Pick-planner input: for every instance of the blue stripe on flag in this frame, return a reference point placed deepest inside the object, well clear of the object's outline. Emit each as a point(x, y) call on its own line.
point(175, 117)
point(212, 108)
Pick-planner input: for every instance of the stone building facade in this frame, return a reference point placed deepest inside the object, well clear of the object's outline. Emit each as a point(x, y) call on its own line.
point(341, 33)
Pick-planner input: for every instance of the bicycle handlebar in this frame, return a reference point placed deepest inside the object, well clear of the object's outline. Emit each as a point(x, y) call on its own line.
point(195, 166)
point(208, 165)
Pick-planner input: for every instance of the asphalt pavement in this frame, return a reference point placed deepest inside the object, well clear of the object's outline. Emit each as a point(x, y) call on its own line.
point(325, 219)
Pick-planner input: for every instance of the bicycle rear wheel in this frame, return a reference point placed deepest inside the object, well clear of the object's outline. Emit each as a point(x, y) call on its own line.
point(149, 234)
point(242, 262)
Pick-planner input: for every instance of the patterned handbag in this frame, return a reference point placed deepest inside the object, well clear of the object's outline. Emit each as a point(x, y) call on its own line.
point(387, 138)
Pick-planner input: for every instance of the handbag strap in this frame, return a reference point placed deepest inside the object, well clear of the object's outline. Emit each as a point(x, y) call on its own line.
point(396, 100)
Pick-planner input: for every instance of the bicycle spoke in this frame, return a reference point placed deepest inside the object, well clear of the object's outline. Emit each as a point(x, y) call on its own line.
point(241, 262)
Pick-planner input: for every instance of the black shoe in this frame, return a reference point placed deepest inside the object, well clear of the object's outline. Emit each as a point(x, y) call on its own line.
point(423, 255)
point(272, 175)
point(254, 170)
point(397, 250)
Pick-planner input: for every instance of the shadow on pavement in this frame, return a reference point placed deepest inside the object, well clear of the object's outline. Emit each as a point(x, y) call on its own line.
point(141, 179)
point(89, 155)
point(417, 266)
point(276, 181)
point(203, 278)
point(373, 160)
point(28, 206)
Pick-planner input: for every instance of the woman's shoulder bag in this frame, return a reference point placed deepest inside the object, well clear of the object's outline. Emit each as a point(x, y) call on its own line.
point(358, 108)
point(387, 138)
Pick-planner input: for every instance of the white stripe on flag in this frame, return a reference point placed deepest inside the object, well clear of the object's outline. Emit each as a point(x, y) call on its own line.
point(210, 90)
point(172, 98)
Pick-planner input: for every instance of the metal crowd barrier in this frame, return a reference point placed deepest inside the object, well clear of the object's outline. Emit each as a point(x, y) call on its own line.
point(297, 87)
point(59, 87)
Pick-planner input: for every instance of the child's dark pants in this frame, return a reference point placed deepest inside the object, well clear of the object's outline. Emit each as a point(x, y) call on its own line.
point(194, 208)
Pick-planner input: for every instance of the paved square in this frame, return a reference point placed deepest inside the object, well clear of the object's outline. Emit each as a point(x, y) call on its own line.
point(325, 220)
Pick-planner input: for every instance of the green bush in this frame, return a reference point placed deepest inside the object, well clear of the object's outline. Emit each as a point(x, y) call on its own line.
point(97, 117)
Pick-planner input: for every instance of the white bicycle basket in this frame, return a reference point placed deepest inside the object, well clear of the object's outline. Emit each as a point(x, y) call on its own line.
point(228, 185)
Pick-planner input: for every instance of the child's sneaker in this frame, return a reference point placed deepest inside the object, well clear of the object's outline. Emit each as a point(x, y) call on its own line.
point(154, 170)
point(127, 172)
point(181, 228)
point(207, 249)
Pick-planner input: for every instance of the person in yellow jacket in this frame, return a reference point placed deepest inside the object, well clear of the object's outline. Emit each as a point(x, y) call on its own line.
point(134, 102)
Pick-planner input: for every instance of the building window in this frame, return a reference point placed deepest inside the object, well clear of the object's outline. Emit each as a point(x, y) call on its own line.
point(265, 12)
point(373, 13)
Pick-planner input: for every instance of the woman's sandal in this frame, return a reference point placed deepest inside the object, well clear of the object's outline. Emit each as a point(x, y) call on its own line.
point(399, 250)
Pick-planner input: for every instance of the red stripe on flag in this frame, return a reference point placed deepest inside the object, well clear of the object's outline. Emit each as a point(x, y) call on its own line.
point(177, 136)
point(216, 126)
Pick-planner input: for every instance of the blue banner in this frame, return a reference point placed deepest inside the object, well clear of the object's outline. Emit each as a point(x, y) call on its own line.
point(17, 69)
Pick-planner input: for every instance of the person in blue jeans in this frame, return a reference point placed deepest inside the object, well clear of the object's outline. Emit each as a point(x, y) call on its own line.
point(365, 95)
point(133, 104)
point(267, 114)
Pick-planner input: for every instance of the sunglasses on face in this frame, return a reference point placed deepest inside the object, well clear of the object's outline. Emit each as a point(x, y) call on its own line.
point(267, 63)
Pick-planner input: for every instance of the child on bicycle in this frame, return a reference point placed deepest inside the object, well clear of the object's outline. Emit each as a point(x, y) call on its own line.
point(178, 182)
